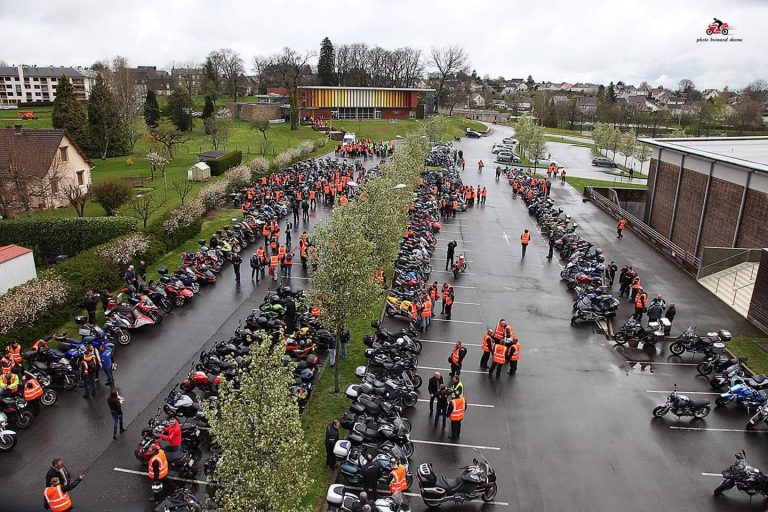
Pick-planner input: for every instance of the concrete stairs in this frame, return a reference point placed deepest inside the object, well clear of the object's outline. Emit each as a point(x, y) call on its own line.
point(733, 285)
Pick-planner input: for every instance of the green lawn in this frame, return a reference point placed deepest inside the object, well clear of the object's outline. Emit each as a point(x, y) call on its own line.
point(10, 117)
point(750, 348)
point(561, 131)
point(580, 183)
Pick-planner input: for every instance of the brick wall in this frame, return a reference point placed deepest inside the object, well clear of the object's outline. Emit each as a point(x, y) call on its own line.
point(254, 111)
point(722, 213)
point(651, 181)
point(664, 197)
point(692, 188)
point(754, 222)
point(758, 308)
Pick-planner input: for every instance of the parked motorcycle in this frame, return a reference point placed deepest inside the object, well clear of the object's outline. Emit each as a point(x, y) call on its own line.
point(681, 405)
point(744, 477)
point(8, 438)
point(477, 481)
point(688, 341)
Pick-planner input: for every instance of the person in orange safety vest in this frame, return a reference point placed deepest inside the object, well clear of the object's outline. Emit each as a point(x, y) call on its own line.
point(456, 359)
point(456, 410)
point(57, 496)
point(499, 357)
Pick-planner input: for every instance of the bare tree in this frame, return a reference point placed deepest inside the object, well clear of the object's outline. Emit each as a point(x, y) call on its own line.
point(292, 68)
point(757, 89)
point(260, 66)
point(168, 136)
point(230, 67)
point(143, 206)
point(456, 93)
point(447, 61)
point(217, 130)
point(746, 113)
point(78, 196)
point(182, 188)
point(685, 85)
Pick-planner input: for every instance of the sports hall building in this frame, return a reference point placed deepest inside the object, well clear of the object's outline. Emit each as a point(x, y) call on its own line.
point(325, 102)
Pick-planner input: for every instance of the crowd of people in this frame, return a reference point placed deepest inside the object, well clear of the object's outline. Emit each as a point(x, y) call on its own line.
point(365, 148)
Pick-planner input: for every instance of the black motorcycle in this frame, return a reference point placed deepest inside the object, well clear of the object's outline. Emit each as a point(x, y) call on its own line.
point(681, 405)
point(761, 416)
point(717, 363)
point(634, 330)
point(477, 481)
point(688, 341)
point(182, 500)
point(747, 479)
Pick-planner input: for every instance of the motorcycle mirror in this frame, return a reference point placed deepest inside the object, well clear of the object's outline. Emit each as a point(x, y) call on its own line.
point(739, 456)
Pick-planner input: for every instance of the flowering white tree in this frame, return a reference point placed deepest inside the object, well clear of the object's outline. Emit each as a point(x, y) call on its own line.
point(156, 161)
point(122, 250)
point(265, 457)
point(24, 304)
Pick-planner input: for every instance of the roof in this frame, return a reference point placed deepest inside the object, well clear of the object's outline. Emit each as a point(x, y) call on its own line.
point(9, 252)
point(586, 101)
point(47, 71)
point(365, 88)
point(32, 150)
point(749, 152)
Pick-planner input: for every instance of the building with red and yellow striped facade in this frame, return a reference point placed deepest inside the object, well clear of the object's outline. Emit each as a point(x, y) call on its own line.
point(325, 102)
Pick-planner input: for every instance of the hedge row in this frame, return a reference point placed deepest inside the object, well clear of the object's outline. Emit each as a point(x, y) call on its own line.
point(49, 237)
point(225, 162)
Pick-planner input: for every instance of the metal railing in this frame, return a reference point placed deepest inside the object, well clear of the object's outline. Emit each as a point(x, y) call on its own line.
point(737, 290)
point(735, 274)
point(704, 271)
point(643, 229)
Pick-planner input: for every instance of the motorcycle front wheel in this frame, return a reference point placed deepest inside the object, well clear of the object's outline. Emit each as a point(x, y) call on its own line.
point(620, 338)
point(157, 317)
point(660, 411)
point(69, 383)
point(195, 288)
point(7, 442)
point(166, 305)
point(677, 348)
point(179, 302)
point(704, 368)
point(724, 486)
point(720, 401)
point(407, 449)
point(49, 397)
point(417, 347)
point(416, 381)
point(24, 419)
point(410, 400)
point(490, 492)
point(122, 337)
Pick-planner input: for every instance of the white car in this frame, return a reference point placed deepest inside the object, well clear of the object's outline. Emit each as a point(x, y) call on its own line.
point(508, 156)
point(510, 140)
point(502, 147)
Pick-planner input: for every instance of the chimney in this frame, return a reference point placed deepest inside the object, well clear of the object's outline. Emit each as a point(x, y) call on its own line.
point(18, 130)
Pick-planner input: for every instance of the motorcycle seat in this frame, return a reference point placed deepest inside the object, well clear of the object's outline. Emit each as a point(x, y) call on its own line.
point(40, 365)
point(759, 379)
point(699, 403)
point(451, 484)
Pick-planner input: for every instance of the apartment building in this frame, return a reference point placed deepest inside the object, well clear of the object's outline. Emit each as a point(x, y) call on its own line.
point(30, 84)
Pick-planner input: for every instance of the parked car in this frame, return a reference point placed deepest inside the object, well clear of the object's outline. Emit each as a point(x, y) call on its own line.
point(472, 134)
point(502, 147)
point(510, 140)
point(508, 156)
point(601, 161)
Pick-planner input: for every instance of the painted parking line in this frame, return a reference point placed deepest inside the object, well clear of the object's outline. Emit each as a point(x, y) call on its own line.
point(447, 369)
point(467, 303)
point(452, 232)
point(718, 475)
point(456, 321)
point(414, 495)
point(451, 342)
point(438, 443)
point(683, 392)
point(472, 404)
point(663, 363)
point(705, 429)
point(144, 474)
point(465, 287)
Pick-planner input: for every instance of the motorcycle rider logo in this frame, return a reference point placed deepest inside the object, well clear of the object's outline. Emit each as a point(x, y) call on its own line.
point(718, 27)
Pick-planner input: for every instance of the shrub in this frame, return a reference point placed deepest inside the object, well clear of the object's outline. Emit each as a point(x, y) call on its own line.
point(111, 194)
point(258, 165)
point(25, 304)
point(124, 249)
point(237, 177)
point(306, 148)
point(225, 162)
point(53, 236)
point(183, 216)
point(212, 195)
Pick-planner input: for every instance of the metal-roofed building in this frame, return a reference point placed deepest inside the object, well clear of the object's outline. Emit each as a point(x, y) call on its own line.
point(31, 84)
point(325, 102)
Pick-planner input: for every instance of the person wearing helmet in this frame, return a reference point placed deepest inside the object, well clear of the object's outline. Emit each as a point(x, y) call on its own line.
point(551, 246)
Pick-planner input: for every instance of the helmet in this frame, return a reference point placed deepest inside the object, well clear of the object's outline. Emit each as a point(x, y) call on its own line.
point(376, 324)
point(152, 450)
point(600, 258)
point(218, 232)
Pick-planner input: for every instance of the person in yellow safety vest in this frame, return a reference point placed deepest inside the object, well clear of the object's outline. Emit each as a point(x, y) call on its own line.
point(525, 239)
point(398, 479)
point(426, 314)
point(9, 383)
point(456, 359)
point(487, 346)
point(514, 355)
point(499, 357)
point(157, 471)
point(57, 496)
point(456, 409)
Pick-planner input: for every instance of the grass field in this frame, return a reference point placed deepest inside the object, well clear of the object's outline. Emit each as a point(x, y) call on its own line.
point(750, 348)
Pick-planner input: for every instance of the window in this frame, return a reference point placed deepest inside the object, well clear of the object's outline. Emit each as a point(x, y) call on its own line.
point(81, 178)
point(63, 154)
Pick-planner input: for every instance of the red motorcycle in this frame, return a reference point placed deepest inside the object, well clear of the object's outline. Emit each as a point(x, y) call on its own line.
point(179, 293)
point(714, 29)
point(205, 382)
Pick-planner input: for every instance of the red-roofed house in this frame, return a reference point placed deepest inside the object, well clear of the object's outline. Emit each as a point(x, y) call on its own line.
point(17, 266)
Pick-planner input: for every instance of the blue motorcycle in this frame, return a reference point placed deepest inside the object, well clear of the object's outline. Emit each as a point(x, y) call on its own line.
point(743, 395)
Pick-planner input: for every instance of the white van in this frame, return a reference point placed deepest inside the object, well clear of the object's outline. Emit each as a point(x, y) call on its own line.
point(349, 138)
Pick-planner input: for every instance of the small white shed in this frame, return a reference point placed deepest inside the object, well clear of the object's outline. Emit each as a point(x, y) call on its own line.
point(17, 266)
point(199, 172)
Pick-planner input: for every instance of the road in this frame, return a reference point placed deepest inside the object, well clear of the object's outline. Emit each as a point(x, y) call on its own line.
point(79, 430)
point(572, 430)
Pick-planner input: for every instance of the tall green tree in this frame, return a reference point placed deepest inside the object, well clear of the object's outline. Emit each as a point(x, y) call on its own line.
point(106, 127)
point(68, 113)
point(208, 109)
point(257, 426)
point(530, 83)
point(151, 110)
point(211, 83)
point(326, 63)
point(178, 109)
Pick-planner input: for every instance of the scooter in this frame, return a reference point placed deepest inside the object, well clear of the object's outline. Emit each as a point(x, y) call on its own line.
point(477, 481)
